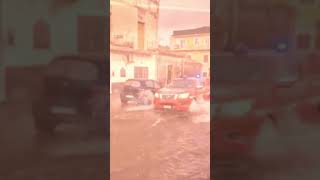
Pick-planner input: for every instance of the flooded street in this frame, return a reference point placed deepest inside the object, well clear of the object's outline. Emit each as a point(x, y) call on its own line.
point(160, 145)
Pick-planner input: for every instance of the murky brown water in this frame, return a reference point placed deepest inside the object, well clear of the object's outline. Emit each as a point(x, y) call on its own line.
point(148, 145)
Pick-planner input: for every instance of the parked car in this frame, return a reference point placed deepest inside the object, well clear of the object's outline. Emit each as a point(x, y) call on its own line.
point(140, 91)
point(180, 94)
point(75, 90)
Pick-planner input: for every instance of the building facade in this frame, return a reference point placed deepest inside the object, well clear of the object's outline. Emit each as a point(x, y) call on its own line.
point(261, 24)
point(134, 23)
point(36, 31)
point(195, 45)
point(133, 40)
point(134, 50)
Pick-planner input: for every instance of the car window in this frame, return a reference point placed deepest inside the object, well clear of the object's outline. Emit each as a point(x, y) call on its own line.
point(149, 84)
point(133, 83)
point(183, 83)
point(73, 69)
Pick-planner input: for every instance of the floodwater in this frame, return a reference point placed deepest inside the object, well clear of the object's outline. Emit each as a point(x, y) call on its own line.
point(160, 145)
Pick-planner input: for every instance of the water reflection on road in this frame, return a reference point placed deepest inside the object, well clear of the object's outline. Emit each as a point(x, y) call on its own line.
point(160, 145)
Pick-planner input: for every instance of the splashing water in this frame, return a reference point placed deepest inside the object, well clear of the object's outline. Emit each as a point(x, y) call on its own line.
point(291, 140)
point(139, 108)
point(201, 109)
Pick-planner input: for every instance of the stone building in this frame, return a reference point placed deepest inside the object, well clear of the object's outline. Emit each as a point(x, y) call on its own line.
point(134, 50)
point(195, 45)
point(133, 40)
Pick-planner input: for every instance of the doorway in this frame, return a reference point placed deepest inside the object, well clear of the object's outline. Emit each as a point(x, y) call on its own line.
point(141, 29)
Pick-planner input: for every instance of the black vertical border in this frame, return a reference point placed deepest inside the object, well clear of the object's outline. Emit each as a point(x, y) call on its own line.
point(212, 30)
point(107, 55)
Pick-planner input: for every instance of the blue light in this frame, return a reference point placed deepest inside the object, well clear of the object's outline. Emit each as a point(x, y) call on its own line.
point(281, 45)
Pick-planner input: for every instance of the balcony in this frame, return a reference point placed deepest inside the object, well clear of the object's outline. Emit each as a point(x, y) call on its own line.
point(119, 40)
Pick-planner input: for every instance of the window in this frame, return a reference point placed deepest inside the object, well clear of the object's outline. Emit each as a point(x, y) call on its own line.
point(141, 72)
point(41, 35)
point(122, 72)
point(207, 43)
point(141, 29)
point(205, 58)
point(133, 83)
point(303, 41)
point(73, 69)
point(182, 43)
point(196, 42)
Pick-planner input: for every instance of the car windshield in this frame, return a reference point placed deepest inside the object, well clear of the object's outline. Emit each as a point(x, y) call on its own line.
point(183, 83)
point(133, 83)
point(73, 69)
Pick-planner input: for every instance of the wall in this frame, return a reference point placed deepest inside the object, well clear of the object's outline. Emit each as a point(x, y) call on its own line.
point(21, 16)
point(307, 17)
point(199, 57)
point(21, 59)
point(204, 42)
point(196, 52)
point(118, 60)
point(124, 24)
point(162, 64)
point(124, 21)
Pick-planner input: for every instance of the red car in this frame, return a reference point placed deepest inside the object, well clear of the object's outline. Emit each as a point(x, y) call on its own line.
point(180, 94)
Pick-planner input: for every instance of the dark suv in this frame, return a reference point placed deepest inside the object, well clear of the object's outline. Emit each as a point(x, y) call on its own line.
point(140, 91)
point(75, 89)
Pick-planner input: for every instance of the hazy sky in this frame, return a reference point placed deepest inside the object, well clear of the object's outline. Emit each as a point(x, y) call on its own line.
point(182, 14)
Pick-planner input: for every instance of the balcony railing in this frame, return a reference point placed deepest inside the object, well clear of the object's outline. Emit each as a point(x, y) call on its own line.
point(118, 40)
